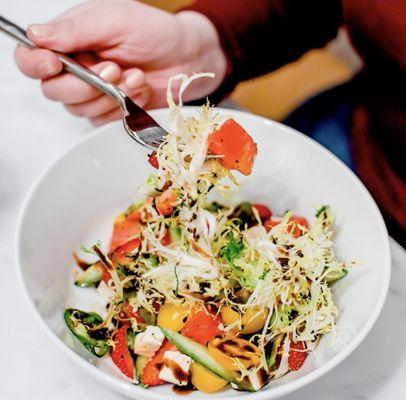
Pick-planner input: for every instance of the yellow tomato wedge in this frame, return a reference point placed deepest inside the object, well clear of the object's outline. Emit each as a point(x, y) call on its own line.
point(233, 352)
point(206, 381)
point(252, 321)
point(173, 317)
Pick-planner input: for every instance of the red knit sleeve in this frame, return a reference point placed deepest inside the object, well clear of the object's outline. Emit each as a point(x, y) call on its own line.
point(259, 36)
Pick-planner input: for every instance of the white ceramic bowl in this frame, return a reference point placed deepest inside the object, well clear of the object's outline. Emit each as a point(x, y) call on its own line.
point(76, 199)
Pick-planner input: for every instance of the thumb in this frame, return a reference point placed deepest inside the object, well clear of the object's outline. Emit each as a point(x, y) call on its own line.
point(78, 33)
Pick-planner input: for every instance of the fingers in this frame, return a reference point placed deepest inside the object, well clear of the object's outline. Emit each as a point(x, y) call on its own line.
point(104, 118)
point(133, 84)
point(116, 114)
point(86, 28)
point(44, 64)
point(59, 35)
point(38, 63)
point(68, 89)
point(93, 108)
point(86, 58)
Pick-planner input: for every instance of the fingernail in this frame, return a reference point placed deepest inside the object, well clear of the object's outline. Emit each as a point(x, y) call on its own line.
point(142, 98)
point(109, 73)
point(45, 67)
point(133, 80)
point(41, 30)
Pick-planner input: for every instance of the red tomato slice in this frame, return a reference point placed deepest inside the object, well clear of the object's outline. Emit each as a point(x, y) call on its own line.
point(150, 374)
point(128, 312)
point(120, 354)
point(120, 253)
point(165, 202)
point(202, 326)
point(123, 231)
point(263, 211)
point(297, 355)
point(270, 223)
point(166, 239)
point(235, 145)
point(298, 226)
point(153, 160)
point(106, 275)
point(134, 216)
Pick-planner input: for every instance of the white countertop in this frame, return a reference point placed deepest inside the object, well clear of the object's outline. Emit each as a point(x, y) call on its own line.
point(33, 132)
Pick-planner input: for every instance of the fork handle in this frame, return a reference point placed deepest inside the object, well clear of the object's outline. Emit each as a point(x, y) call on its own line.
point(69, 64)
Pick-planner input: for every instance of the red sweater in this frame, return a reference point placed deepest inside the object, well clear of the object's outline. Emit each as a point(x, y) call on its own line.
point(259, 36)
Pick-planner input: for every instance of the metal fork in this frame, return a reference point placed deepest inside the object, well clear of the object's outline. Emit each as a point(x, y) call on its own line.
point(137, 122)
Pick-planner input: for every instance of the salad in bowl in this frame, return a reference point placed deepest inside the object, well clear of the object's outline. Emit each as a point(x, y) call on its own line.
point(199, 292)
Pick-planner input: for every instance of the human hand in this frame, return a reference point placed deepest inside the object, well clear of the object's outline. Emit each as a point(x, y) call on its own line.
point(128, 43)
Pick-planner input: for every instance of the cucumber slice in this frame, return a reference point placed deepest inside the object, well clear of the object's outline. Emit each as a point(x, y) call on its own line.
point(321, 210)
point(335, 276)
point(140, 363)
point(213, 207)
point(79, 323)
point(91, 277)
point(130, 337)
point(200, 355)
point(272, 359)
point(148, 316)
point(153, 260)
point(175, 233)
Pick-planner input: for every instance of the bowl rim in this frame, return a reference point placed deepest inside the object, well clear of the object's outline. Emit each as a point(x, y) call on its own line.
point(285, 388)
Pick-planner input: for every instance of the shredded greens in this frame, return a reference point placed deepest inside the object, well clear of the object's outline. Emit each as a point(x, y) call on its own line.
point(202, 253)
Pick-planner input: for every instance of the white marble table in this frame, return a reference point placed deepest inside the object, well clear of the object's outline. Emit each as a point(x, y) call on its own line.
point(33, 132)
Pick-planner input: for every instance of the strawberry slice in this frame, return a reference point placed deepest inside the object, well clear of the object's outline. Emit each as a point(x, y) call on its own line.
point(297, 355)
point(120, 354)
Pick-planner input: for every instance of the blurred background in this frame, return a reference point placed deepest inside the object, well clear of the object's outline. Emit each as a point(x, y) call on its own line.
point(276, 94)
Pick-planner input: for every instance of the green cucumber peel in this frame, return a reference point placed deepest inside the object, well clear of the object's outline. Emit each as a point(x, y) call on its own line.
point(199, 354)
point(79, 323)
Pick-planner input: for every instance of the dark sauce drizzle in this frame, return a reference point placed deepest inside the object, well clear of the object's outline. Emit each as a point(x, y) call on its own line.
point(183, 390)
